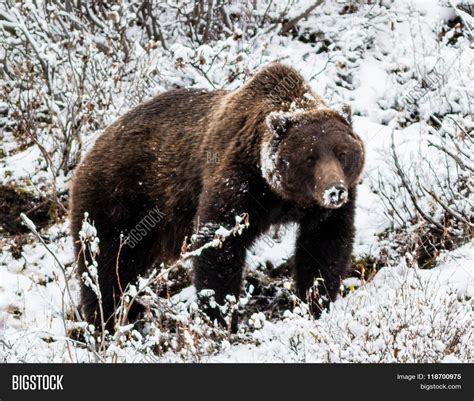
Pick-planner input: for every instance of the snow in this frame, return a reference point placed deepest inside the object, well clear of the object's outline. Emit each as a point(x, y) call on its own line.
point(334, 196)
point(401, 309)
point(268, 163)
point(375, 57)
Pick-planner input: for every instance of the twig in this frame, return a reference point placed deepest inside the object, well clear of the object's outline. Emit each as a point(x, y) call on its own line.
point(262, 22)
point(117, 265)
point(457, 159)
point(32, 228)
point(292, 22)
point(407, 186)
point(156, 277)
point(208, 20)
point(453, 213)
point(41, 204)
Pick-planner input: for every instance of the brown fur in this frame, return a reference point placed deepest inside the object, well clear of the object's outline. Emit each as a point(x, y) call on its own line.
point(157, 156)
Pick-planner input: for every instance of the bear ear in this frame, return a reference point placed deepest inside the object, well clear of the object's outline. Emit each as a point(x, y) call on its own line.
point(278, 124)
point(345, 111)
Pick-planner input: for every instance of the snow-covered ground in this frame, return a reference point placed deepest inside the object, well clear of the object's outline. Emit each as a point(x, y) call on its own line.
point(374, 58)
point(403, 314)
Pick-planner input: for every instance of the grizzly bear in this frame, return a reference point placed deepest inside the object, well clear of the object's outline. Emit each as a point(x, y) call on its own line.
point(271, 149)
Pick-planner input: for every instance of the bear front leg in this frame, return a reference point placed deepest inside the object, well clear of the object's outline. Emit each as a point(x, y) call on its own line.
point(220, 268)
point(323, 252)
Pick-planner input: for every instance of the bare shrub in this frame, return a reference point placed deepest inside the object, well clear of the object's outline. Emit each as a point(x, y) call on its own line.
point(430, 199)
point(416, 321)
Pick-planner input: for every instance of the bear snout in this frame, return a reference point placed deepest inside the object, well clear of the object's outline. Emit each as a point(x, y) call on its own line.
point(335, 195)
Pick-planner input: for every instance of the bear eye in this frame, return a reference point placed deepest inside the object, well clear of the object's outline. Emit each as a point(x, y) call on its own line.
point(342, 156)
point(309, 160)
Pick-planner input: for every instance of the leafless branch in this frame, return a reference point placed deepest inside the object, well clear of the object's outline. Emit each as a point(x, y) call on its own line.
point(408, 188)
point(291, 23)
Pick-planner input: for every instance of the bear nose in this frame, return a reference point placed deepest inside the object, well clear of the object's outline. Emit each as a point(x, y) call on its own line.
point(335, 195)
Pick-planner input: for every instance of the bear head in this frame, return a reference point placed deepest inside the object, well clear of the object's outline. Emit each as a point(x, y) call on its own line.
point(312, 157)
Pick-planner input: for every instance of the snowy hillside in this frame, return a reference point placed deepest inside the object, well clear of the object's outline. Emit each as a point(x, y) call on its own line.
point(407, 70)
